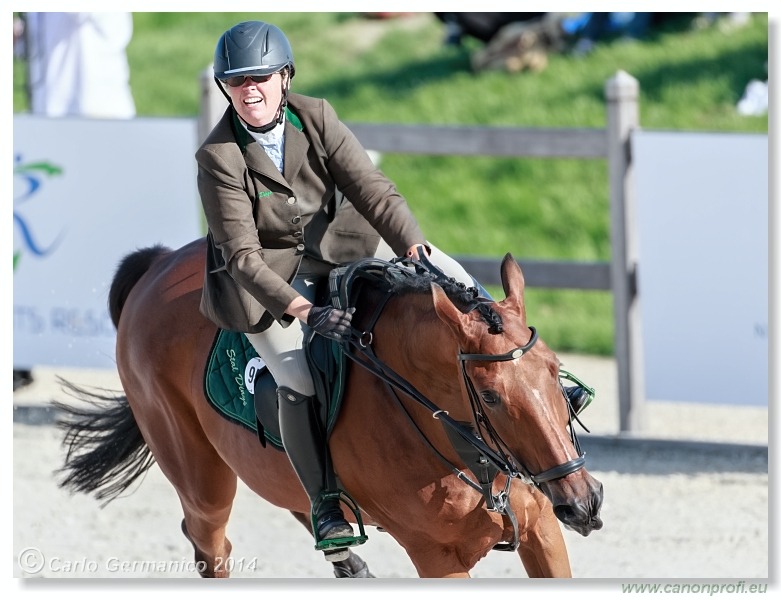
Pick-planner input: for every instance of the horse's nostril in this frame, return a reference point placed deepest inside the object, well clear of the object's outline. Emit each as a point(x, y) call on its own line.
point(564, 513)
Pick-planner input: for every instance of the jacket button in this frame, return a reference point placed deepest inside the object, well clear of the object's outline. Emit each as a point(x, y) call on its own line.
point(297, 234)
point(296, 219)
point(300, 247)
point(291, 200)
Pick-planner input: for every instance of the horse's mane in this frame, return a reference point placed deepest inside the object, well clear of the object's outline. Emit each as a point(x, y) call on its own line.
point(465, 298)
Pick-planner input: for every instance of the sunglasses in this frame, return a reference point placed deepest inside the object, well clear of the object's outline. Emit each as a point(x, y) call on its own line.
point(239, 80)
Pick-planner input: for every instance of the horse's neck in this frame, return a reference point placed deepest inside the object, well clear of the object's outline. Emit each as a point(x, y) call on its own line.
point(413, 341)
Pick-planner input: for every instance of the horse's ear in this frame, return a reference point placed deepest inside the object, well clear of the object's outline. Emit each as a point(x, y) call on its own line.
point(446, 310)
point(512, 277)
point(513, 284)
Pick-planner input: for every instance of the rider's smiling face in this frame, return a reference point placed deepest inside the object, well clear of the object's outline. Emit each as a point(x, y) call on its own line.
point(257, 103)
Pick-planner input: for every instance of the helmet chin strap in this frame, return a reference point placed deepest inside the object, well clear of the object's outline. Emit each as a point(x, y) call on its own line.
point(269, 126)
point(280, 116)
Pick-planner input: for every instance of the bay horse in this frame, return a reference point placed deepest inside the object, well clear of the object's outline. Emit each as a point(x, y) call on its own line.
point(484, 371)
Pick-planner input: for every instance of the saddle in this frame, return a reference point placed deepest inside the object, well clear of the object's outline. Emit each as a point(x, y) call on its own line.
point(239, 386)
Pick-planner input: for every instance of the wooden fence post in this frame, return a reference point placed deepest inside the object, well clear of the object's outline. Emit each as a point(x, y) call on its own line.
point(621, 93)
point(213, 104)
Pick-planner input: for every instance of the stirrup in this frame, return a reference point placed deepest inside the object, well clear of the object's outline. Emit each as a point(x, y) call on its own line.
point(589, 391)
point(340, 542)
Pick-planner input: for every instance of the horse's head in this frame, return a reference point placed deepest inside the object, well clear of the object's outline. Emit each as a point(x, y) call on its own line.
point(511, 380)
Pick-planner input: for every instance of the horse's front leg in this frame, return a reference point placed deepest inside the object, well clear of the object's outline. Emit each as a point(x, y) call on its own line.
point(452, 550)
point(542, 551)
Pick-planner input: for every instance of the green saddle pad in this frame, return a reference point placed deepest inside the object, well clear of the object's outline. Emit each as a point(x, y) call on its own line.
point(240, 387)
point(232, 369)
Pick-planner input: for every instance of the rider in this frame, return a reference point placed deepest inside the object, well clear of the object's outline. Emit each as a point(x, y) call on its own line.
point(288, 193)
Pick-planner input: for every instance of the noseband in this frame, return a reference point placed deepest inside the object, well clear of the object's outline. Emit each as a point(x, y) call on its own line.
point(487, 430)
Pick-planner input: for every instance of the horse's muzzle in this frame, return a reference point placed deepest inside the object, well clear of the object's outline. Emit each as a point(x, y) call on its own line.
point(577, 500)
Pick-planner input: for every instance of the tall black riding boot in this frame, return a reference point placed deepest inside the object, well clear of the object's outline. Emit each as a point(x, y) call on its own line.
point(304, 439)
point(579, 397)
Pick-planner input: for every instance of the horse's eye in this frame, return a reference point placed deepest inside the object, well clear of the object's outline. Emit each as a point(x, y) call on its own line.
point(489, 397)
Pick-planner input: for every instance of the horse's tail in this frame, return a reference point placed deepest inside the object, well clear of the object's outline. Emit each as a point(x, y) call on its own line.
point(130, 270)
point(106, 451)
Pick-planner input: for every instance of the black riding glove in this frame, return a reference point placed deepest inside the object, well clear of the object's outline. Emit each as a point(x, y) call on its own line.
point(330, 322)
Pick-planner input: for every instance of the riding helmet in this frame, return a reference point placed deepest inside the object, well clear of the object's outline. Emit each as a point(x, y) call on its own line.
point(252, 48)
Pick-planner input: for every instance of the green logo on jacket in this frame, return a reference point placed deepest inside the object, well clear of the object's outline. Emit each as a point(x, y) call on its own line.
point(263, 194)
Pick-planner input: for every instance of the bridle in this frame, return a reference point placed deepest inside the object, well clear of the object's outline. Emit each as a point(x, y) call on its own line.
point(493, 457)
point(486, 430)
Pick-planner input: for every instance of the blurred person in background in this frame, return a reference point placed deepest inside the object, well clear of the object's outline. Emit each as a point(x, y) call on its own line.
point(76, 66)
point(77, 63)
point(512, 42)
point(515, 42)
point(481, 26)
point(587, 29)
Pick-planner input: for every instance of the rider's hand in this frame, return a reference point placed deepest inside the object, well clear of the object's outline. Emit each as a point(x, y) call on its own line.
point(330, 322)
point(414, 251)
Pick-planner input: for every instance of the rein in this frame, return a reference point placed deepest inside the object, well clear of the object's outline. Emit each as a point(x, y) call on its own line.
point(491, 461)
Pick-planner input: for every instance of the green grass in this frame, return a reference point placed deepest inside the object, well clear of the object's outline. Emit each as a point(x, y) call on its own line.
point(398, 71)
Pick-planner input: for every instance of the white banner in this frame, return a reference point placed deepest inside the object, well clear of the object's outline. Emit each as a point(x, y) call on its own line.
point(702, 218)
point(86, 193)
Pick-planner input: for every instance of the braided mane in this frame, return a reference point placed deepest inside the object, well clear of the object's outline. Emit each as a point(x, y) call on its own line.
point(466, 299)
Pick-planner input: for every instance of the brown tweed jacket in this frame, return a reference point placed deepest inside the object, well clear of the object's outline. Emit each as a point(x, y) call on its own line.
point(331, 203)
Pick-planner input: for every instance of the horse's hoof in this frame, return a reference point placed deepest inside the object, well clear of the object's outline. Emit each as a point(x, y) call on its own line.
point(337, 554)
point(353, 567)
point(363, 573)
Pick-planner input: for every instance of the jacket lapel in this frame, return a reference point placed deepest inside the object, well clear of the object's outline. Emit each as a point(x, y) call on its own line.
point(296, 150)
point(254, 155)
point(257, 160)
